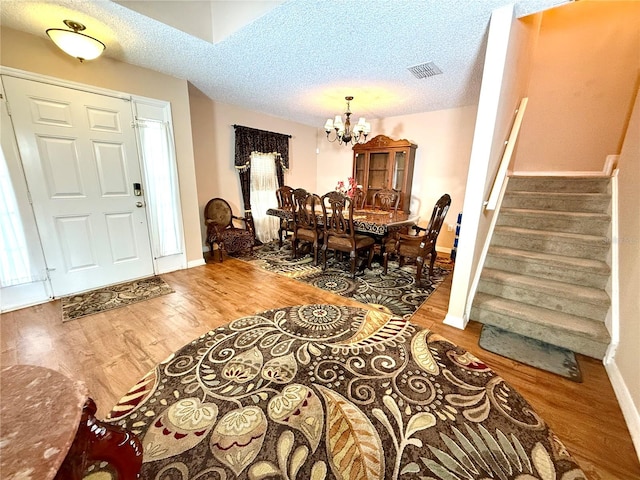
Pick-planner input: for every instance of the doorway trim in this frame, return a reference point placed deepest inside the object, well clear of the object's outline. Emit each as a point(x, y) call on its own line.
point(160, 264)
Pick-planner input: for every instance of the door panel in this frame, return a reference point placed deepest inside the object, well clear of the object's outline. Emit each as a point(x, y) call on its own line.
point(49, 112)
point(122, 233)
point(60, 165)
point(74, 236)
point(112, 171)
point(80, 160)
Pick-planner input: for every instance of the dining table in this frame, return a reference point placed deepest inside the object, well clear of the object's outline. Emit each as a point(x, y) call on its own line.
point(375, 222)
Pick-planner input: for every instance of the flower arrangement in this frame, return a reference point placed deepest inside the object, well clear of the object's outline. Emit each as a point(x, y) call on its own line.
point(349, 188)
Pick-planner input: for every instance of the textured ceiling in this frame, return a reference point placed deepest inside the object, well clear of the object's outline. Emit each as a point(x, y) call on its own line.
point(301, 58)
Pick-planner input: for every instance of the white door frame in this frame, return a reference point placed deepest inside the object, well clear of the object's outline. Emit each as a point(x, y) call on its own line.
point(160, 264)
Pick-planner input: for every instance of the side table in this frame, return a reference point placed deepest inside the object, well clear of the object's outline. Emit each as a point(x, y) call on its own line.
point(48, 429)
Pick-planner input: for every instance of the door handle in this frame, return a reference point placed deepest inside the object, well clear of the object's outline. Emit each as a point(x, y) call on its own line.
point(139, 204)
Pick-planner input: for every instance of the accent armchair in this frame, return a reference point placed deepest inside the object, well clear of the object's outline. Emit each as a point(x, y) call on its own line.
point(222, 231)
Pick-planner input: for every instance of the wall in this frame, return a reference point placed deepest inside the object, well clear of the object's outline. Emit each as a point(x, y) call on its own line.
point(585, 73)
point(214, 147)
point(442, 160)
point(504, 83)
point(624, 372)
point(39, 55)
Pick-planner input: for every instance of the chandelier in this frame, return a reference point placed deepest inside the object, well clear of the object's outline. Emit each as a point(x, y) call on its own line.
point(344, 134)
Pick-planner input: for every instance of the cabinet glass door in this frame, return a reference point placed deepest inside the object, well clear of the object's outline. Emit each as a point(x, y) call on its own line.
point(360, 169)
point(378, 170)
point(378, 174)
point(399, 166)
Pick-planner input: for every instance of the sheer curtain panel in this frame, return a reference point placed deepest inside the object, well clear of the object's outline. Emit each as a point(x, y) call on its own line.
point(162, 187)
point(264, 183)
point(21, 259)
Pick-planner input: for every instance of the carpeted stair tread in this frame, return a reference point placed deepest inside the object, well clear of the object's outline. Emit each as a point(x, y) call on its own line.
point(559, 183)
point(565, 236)
point(582, 301)
point(555, 220)
point(563, 195)
point(590, 295)
point(574, 263)
point(559, 214)
point(558, 201)
point(576, 270)
point(555, 213)
point(557, 243)
point(578, 334)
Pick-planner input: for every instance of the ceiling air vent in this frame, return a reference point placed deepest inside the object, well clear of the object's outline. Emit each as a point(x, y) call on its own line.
point(424, 70)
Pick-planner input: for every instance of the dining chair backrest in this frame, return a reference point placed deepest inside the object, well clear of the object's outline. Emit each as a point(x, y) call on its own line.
point(436, 221)
point(386, 199)
point(359, 198)
point(305, 209)
point(337, 214)
point(284, 196)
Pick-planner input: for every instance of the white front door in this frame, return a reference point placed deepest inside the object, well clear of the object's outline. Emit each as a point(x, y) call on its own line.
point(81, 162)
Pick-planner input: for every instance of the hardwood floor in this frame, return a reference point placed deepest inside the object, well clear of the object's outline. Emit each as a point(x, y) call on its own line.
point(111, 351)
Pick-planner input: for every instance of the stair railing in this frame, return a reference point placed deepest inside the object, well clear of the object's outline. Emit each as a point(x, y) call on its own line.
point(501, 174)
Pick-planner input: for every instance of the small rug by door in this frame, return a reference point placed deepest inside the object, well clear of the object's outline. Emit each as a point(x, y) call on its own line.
point(114, 296)
point(530, 352)
point(396, 292)
point(315, 392)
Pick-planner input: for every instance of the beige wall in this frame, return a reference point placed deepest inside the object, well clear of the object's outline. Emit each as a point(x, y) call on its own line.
point(214, 146)
point(442, 160)
point(626, 358)
point(585, 74)
point(38, 55)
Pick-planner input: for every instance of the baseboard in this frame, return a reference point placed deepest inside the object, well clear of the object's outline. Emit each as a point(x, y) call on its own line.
point(443, 250)
point(629, 410)
point(455, 321)
point(196, 263)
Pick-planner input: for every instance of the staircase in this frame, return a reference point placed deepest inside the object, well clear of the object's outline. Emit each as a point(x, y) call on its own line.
point(546, 269)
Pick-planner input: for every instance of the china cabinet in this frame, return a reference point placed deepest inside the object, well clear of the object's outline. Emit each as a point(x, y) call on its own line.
point(385, 163)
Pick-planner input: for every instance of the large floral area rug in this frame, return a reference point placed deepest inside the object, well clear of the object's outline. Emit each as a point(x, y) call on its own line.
point(396, 292)
point(333, 392)
point(114, 296)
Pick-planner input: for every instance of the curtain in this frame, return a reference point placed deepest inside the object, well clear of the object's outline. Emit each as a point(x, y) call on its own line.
point(263, 195)
point(19, 244)
point(161, 187)
point(249, 141)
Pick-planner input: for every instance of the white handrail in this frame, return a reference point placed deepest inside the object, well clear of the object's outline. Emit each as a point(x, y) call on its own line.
point(491, 203)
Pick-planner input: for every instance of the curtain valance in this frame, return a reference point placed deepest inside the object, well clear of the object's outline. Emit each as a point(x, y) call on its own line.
point(250, 140)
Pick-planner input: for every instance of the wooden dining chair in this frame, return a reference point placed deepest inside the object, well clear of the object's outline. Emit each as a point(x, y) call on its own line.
point(339, 232)
point(285, 201)
point(386, 199)
point(420, 245)
point(306, 208)
point(359, 198)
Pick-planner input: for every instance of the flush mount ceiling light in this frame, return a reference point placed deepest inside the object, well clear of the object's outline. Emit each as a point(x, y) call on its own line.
point(343, 132)
point(74, 43)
